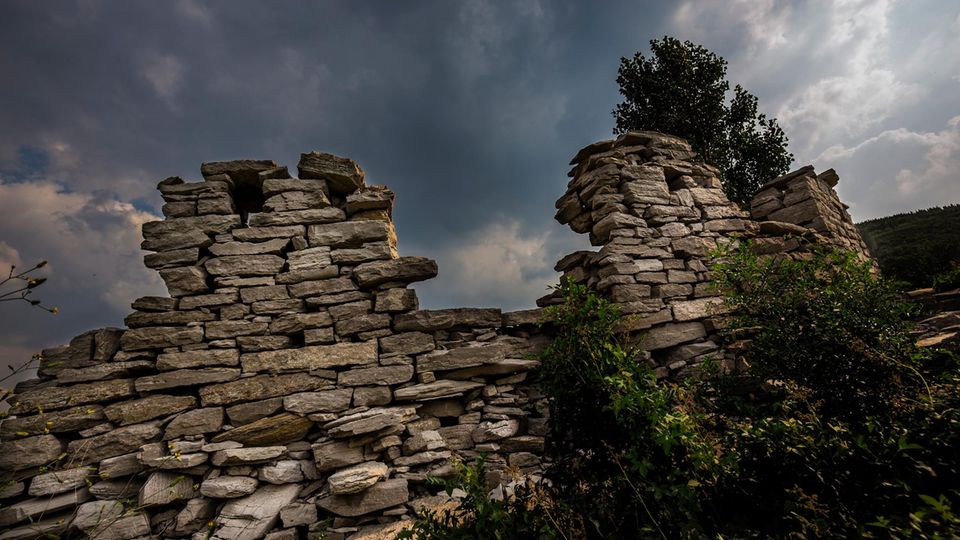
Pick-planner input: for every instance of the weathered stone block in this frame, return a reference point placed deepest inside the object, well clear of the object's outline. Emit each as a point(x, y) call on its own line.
point(228, 487)
point(324, 401)
point(672, 334)
point(259, 387)
point(407, 343)
point(164, 488)
point(280, 429)
point(185, 280)
point(348, 234)
point(331, 455)
point(160, 337)
point(343, 175)
point(309, 358)
point(357, 478)
point(60, 397)
point(122, 440)
point(381, 375)
point(185, 377)
point(19, 454)
point(195, 422)
point(232, 329)
point(244, 265)
point(250, 517)
point(199, 358)
point(148, 408)
point(246, 456)
point(434, 390)
point(379, 496)
point(401, 270)
point(445, 319)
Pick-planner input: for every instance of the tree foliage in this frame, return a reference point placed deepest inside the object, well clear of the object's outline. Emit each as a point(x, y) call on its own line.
point(915, 247)
point(681, 90)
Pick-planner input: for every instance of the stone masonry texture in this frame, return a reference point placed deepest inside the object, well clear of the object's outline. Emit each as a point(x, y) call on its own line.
point(290, 386)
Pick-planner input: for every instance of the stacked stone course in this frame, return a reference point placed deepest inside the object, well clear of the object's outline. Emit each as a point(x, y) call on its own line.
point(806, 199)
point(290, 385)
point(660, 216)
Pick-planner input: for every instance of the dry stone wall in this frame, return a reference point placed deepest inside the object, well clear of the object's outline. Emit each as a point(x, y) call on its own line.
point(289, 386)
point(659, 216)
point(807, 199)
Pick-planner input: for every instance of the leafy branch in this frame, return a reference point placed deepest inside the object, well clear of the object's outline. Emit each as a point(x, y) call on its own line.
point(21, 285)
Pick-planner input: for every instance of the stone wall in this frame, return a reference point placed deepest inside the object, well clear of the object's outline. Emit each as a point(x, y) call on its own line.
point(288, 378)
point(289, 385)
point(658, 215)
point(808, 199)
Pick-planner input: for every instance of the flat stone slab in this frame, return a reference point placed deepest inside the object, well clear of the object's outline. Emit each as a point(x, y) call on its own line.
point(462, 357)
point(29, 508)
point(148, 408)
point(669, 335)
point(376, 376)
point(310, 358)
point(270, 247)
point(357, 478)
point(250, 517)
point(503, 367)
point(122, 440)
point(401, 270)
point(347, 234)
point(195, 422)
point(407, 343)
point(59, 397)
point(160, 337)
point(378, 497)
point(444, 319)
point(201, 358)
point(247, 456)
point(19, 454)
point(282, 428)
point(228, 487)
point(343, 175)
point(185, 377)
point(323, 401)
point(434, 390)
point(260, 387)
point(55, 482)
point(245, 265)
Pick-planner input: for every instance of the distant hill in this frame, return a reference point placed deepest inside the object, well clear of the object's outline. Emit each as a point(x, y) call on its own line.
point(915, 246)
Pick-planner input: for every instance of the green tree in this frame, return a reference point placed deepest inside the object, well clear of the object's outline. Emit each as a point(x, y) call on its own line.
point(681, 90)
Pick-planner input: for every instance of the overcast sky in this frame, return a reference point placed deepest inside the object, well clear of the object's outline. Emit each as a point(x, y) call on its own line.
point(469, 110)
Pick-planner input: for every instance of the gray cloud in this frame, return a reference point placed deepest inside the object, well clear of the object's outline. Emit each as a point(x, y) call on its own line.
point(468, 110)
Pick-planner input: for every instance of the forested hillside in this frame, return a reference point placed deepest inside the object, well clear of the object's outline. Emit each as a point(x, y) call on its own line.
point(916, 246)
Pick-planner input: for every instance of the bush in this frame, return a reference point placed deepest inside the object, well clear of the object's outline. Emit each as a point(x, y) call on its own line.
point(825, 322)
point(839, 427)
point(947, 280)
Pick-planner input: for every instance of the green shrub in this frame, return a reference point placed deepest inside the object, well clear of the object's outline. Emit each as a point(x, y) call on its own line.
point(947, 280)
point(825, 322)
point(840, 426)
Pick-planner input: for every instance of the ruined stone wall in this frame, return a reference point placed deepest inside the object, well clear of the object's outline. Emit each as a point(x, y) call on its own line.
point(658, 215)
point(290, 385)
point(807, 199)
point(288, 378)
